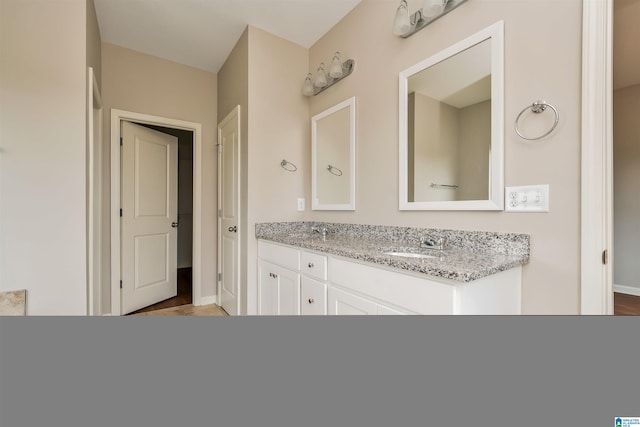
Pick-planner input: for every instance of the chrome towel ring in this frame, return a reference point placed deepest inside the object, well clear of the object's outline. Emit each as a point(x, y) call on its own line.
point(334, 170)
point(537, 107)
point(288, 166)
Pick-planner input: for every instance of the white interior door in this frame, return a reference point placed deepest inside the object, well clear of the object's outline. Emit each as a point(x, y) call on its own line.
point(229, 211)
point(149, 216)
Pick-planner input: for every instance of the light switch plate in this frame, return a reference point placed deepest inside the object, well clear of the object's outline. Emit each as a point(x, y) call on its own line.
point(300, 205)
point(528, 198)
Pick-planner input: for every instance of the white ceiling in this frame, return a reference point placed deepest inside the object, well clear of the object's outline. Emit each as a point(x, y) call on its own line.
point(202, 33)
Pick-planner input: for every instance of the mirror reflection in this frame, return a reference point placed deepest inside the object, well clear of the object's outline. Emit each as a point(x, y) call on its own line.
point(451, 127)
point(333, 158)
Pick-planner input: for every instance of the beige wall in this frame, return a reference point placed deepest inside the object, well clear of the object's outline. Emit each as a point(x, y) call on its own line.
point(435, 148)
point(626, 182)
point(475, 146)
point(260, 75)
point(279, 128)
point(141, 83)
point(538, 65)
point(43, 59)
point(233, 90)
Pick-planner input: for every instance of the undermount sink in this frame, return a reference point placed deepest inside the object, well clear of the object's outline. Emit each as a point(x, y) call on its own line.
point(409, 254)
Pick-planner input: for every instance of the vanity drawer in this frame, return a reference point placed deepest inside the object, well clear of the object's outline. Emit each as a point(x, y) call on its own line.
point(284, 256)
point(313, 265)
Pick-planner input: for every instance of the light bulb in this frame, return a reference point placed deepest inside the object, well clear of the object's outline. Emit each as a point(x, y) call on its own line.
point(433, 8)
point(402, 22)
point(321, 77)
point(336, 66)
point(307, 87)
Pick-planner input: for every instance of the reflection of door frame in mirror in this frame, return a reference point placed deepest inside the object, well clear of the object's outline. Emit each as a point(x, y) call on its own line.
point(351, 205)
point(496, 198)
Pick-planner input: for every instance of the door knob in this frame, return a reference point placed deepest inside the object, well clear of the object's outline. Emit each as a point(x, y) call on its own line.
point(174, 224)
point(233, 229)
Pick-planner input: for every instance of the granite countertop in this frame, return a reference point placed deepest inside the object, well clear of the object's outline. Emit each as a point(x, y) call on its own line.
point(465, 258)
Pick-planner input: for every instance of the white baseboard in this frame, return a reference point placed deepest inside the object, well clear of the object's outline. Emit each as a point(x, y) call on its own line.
point(213, 299)
point(629, 290)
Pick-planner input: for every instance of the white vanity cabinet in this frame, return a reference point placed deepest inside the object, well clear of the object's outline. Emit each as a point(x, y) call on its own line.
point(278, 280)
point(279, 290)
point(343, 303)
point(410, 293)
point(313, 291)
point(291, 281)
point(315, 284)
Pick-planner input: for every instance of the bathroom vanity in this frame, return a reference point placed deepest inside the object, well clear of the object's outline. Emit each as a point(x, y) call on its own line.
point(382, 270)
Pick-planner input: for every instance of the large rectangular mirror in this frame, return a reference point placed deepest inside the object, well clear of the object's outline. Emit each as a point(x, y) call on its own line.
point(333, 157)
point(451, 127)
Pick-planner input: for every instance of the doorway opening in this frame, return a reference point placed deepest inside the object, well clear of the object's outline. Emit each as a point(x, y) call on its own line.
point(597, 289)
point(626, 157)
point(192, 156)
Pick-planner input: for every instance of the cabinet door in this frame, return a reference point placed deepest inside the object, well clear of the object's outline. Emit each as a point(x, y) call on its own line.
point(388, 311)
point(267, 289)
point(313, 295)
point(278, 290)
point(288, 292)
point(345, 303)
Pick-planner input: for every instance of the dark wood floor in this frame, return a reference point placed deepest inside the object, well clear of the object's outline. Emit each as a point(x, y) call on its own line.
point(626, 305)
point(184, 294)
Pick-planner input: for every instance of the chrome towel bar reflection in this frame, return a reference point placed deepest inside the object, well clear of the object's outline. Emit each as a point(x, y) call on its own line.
point(288, 166)
point(450, 186)
point(331, 170)
point(537, 108)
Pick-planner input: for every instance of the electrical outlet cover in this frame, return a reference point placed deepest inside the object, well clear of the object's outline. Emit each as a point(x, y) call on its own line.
point(528, 198)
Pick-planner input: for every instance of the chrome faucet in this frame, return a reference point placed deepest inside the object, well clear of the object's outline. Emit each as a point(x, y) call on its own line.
point(430, 243)
point(320, 230)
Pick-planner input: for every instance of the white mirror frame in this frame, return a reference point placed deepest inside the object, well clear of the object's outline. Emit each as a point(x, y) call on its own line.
point(496, 189)
point(315, 205)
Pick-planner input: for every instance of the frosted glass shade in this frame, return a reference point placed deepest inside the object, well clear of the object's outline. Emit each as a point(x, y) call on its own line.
point(336, 66)
point(402, 22)
point(307, 87)
point(433, 8)
point(321, 77)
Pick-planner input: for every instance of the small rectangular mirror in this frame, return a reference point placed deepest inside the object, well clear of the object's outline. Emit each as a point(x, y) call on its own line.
point(333, 153)
point(451, 127)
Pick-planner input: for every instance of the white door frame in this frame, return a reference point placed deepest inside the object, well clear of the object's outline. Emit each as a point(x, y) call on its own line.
point(235, 112)
point(116, 117)
point(94, 180)
point(597, 158)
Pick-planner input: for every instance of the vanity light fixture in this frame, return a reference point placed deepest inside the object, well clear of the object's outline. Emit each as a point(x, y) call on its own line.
point(405, 25)
point(321, 77)
point(338, 70)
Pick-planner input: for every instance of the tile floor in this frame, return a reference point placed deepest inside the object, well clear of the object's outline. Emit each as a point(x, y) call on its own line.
point(186, 310)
